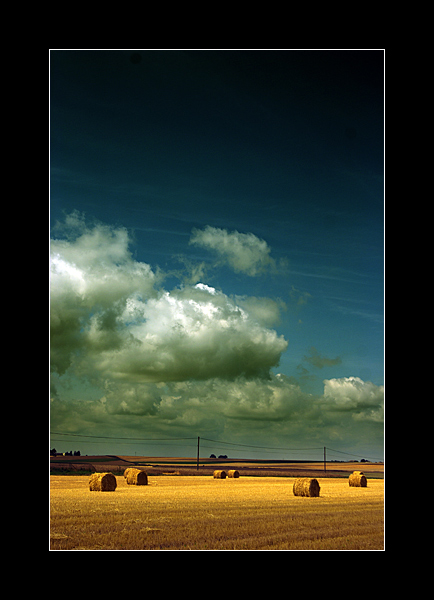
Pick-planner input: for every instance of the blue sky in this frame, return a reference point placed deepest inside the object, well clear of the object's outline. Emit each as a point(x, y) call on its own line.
point(217, 248)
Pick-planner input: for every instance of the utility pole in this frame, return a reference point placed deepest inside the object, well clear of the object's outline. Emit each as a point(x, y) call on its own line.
point(325, 468)
point(198, 442)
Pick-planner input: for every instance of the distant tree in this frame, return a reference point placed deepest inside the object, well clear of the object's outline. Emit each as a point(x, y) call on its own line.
point(223, 456)
point(76, 452)
point(212, 456)
point(53, 452)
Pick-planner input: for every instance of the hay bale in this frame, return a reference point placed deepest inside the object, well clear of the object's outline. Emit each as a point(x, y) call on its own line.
point(305, 486)
point(128, 470)
point(102, 482)
point(136, 477)
point(233, 473)
point(357, 479)
point(219, 475)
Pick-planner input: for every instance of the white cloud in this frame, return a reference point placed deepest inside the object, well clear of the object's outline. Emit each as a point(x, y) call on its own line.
point(98, 267)
point(92, 274)
point(108, 318)
point(167, 361)
point(256, 411)
point(192, 333)
point(244, 252)
point(265, 310)
point(363, 399)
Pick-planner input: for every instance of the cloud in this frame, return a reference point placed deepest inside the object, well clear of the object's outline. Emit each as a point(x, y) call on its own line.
point(318, 361)
point(130, 356)
point(298, 297)
point(190, 333)
point(257, 410)
point(243, 252)
point(364, 400)
point(92, 274)
point(110, 319)
point(215, 403)
point(264, 310)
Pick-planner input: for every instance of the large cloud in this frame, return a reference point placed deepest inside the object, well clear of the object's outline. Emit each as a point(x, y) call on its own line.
point(92, 274)
point(190, 333)
point(276, 398)
point(130, 356)
point(244, 252)
point(108, 318)
point(273, 411)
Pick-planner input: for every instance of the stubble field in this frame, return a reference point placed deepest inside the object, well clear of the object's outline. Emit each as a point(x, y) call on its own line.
point(202, 513)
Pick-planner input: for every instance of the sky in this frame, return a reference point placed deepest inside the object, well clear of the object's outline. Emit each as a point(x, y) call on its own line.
point(216, 255)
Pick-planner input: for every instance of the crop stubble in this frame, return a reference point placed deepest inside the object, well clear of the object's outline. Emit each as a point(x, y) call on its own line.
point(202, 513)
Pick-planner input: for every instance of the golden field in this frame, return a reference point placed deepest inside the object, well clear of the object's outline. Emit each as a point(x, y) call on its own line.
point(202, 513)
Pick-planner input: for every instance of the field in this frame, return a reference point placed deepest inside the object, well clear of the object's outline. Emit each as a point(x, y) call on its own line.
point(155, 465)
point(202, 513)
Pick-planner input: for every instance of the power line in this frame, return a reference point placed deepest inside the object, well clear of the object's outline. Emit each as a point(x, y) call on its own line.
point(133, 440)
point(261, 447)
point(351, 454)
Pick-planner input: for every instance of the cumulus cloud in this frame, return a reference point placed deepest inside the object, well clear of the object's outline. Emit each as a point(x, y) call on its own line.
point(92, 274)
point(243, 252)
point(109, 317)
point(190, 333)
point(240, 410)
point(147, 359)
point(363, 399)
point(212, 404)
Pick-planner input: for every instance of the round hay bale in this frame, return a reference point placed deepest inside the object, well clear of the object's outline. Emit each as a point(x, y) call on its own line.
point(305, 486)
point(128, 470)
point(219, 475)
point(358, 479)
point(233, 474)
point(136, 477)
point(102, 482)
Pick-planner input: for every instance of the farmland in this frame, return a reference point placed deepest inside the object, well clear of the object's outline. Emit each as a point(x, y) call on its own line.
point(187, 466)
point(176, 512)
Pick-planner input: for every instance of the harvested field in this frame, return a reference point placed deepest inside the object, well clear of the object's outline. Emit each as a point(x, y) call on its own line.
point(187, 466)
point(195, 513)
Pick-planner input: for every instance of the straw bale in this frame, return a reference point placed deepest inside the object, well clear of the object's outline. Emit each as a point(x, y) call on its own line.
point(136, 477)
point(219, 474)
point(102, 482)
point(233, 473)
point(357, 479)
point(305, 486)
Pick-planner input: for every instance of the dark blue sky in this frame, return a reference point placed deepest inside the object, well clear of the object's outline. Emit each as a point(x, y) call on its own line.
point(284, 145)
